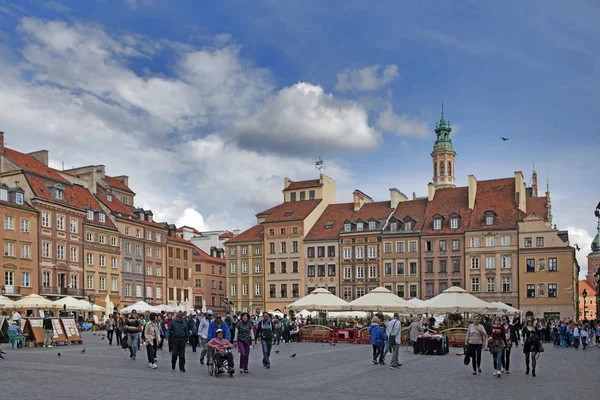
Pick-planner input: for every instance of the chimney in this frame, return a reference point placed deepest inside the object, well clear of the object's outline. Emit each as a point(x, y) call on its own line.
point(396, 197)
point(286, 182)
point(123, 178)
point(360, 199)
point(520, 192)
point(1, 142)
point(430, 191)
point(534, 185)
point(414, 195)
point(472, 191)
point(41, 156)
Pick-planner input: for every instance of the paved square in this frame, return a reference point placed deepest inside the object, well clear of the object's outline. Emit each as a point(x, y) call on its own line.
point(317, 372)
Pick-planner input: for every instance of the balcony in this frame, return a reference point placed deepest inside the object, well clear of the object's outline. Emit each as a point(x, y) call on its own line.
point(56, 291)
point(10, 291)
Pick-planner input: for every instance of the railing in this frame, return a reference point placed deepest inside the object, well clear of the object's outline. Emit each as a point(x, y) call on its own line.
point(316, 333)
point(11, 290)
point(59, 291)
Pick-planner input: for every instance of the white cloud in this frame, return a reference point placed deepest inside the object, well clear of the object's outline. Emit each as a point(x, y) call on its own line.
point(366, 79)
point(304, 117)
point(402, 125)
point(193, 219)
point(582, 238)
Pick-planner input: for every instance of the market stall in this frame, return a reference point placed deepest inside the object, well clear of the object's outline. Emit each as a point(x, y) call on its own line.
point(381, 299)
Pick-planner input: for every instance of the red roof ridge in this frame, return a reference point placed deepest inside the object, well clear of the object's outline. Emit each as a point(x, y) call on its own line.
point(310, 183)
point(117, 184)
point(180, 240)
point(253, 234)
point(202, 255)
point(30, 164)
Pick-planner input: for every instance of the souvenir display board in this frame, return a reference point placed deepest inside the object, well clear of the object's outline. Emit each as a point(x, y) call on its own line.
point(59, 333)
point(71, 330)
point(34, 330)
point(4, 328)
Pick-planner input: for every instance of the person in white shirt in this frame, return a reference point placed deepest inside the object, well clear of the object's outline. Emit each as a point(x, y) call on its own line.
point(585, 336)
point(576, 337)
point(16, 317)
point(393, 329)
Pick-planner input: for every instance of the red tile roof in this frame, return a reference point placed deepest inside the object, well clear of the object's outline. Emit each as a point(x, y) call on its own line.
point(331, 222)
point(201, 256)
point(253, 234)
point(304, 184)
point(87, 200)
point(180, 240)
point(117, 184)
point(24, 206)
point(180, 229)
point(447, 201)
point(39, 186)
point(226, 235)
point(537, 206)
point(414, 209)
point(115, 205)
point(377, 210)
point(497, 195)
point(289, 211)
point(30, 164)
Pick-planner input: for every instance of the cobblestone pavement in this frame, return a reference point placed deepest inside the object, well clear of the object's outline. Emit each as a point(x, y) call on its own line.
point(318, 371)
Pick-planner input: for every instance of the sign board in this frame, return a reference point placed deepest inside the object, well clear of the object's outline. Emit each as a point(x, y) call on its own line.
point(34, 328)
point(71, 330)
point(96, 319)
point(59, 333)
point(4, 329)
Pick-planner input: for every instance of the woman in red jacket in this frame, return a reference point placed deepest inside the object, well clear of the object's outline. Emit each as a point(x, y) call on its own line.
point(497, 344)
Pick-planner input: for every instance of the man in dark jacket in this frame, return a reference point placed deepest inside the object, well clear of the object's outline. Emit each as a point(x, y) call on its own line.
point(178, 336)
point(193, 322)
point(48, 330)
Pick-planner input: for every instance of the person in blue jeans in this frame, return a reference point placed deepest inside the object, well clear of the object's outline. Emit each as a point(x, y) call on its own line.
point(132, 328)
point(378, 341)
point(265, 332)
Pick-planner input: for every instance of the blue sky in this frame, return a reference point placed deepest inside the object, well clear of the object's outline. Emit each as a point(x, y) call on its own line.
point(211, 104)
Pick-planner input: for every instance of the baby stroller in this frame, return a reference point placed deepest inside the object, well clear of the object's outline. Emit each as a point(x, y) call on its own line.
point(213, 365)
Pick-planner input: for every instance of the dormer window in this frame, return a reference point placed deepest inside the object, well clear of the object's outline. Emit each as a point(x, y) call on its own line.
point(437, 224)
point(490, 218)
point(102, 217)
point(372, 225)
point(3, 194)
point(359, 226)
point(108, 197)
point(60, 194)
point(328, 226)
point(454, 223)
point(394, 226)
point(347, 227)
point(408, 225)
point(19, 198)
point(90, 215)
point(149, 217)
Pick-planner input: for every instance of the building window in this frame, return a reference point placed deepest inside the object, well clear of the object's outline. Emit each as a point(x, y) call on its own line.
point(399, 247)
point(359, 252)
point(474, 242)
point(505, 240)
point(453, 223)
point(138, 234)
point(372, 252)
point(489, 220)
point(331, 270)
point(347, 227)
point(474, 284)
point(400, 290)
point(25, 279)
point(455, 265)
point(46, 250)
point(293, 196)
point(412, 247)
point(400, 269)
point(294, 247)
point(387, 268)
point(360, 292)
point(272, 268)
point(257, 269)
point(539, 242)
point(60, 251)
point(490, 262)
point(387, 247)
point(284, 290)
point(126, 230)
point(25, 251)
point(489, 241)
point(552, 290)
point(475, 263)
point(148, 235)
point(443, 266)
point(455, 245)
point(437, 224)
point(60, 222)
point(283, 267)
point(233, 268)
point(530, 262)
point(234, 289)
point(528, 242)
point(157, 253)
point(429, 245)
point(244, 268)
point(394, 226)
point(102, 283)
point(442, 245)
point(412, 268)
point(372, 225)
point(102, 239)
point(74, 225)
point(271, 248)
point(102, 217)
point(372, 271)
point(443, 286)
point(429, 266)
point(408, 226)
point(359, 226)
point(149, 270)
point(158, 271)
point(506, 284)
point(310, 252)
point(553, 264)
point(283, 231)
point(347, 293)
point(113, 262)
point(347, 273)
point(491, 284)
point(429, 290)
point(46, 279)
point(412, 291)
point(90, 281)
point(360, 272)
point(531, 291)
point(311, 194)
point(321, 271)
point(321, 251)
point(347, 253)
point(310, 270)
point(257, 251)
point(505, 261)
point(45, 219)
point(330, 251)
point(113, 284)
point(89, 236)
point(102, 260)
point(25, 226)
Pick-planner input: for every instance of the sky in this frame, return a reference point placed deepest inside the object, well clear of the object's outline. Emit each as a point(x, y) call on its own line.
point(207, 106)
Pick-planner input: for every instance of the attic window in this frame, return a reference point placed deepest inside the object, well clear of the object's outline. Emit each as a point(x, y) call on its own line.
point(453, 223)
point(372, 225)
point(408, 225)
point(19, 198)
point(59, 194)
point(329, 226)
point(149, 217)
point(289, 213)
point(437, 224)
point(359, 226)
point(90, 215)
point(3, 194)
point(108, 197)
point(394, 226)
point(347, 227)
point(102, 217)
point(490, 218)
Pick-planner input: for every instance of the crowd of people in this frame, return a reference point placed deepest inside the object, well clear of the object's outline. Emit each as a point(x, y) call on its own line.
point(210, 333)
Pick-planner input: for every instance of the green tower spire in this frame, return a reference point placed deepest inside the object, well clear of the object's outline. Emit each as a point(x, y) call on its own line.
point(443, 143)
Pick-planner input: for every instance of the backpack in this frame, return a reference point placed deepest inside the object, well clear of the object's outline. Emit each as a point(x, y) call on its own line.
point(266, 331)
point(108, 326)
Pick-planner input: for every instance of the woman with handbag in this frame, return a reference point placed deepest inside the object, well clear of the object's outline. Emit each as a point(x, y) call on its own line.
point(497, 345)
point(474, 340)
point(532, 344)
point(511, 337)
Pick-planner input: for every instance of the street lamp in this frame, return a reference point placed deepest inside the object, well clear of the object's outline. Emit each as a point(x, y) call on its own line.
point(92, 301)
point(597, 276)
point(584, 295)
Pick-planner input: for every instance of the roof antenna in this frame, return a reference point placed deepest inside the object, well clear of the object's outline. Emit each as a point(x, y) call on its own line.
point(319, 164)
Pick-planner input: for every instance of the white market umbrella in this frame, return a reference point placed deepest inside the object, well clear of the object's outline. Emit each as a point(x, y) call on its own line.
point(276, 313)
point(72, 304)
point(34, 301)
point(457, 300)
point(320, 300)
point(505, 307)
point(348, 314)
point(88, 306)
point(6, 303)
point(418, 303)
point(306, 313)
point(140, 306)
point(380, 299)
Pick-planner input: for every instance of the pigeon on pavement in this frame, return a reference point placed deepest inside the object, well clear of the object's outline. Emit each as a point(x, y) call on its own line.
point(59, 354)
point(293, 355)
point(83, 351)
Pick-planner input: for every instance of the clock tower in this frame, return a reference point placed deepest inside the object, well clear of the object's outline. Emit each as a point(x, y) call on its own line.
point(443, 155)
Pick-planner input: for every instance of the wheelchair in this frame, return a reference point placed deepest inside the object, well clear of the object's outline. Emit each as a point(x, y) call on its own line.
point(213, 368)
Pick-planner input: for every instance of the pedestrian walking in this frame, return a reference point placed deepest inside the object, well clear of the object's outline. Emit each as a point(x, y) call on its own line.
point(152, 337)
point(511, 337)
point(576, 336)
point(265, 332)
point(378, 341)
point(393, 330)
point(178, 334)
point(133, 328)
point(277, 330)
point(193, 322)
point(497, 344)
point(48, 330)
point(244, 336)
point(119, 328)
point(475, 338)
point(585, 336)
point(203, 335)
point(532, 345)
point(109, 325)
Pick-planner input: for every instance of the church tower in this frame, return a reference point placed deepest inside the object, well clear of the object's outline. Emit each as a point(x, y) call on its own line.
point(443, 155)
